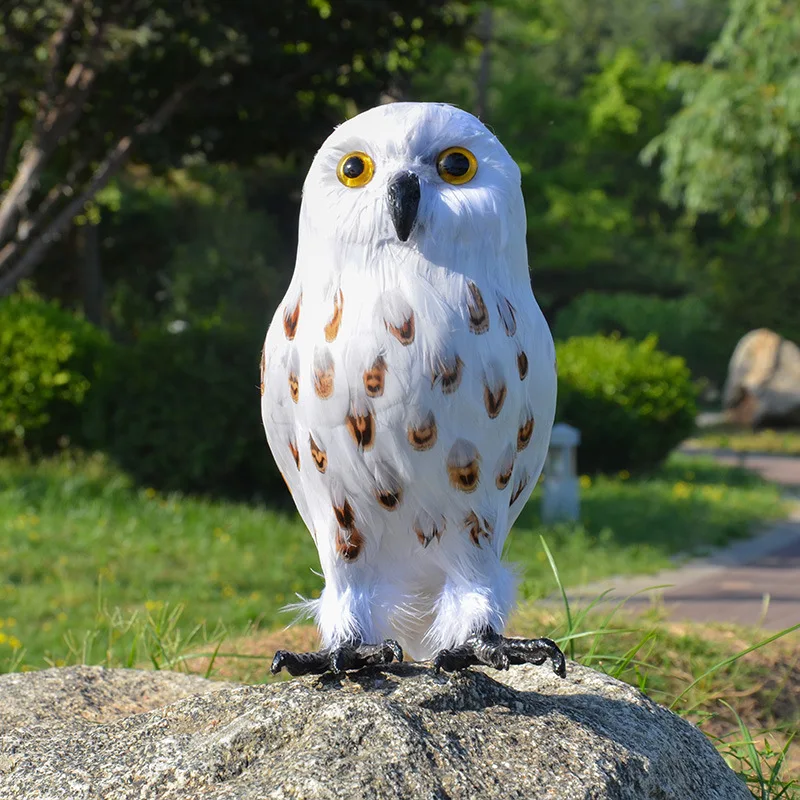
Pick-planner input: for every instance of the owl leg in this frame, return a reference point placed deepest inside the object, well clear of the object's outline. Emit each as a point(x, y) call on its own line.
point(490, 648)
point(344, 614)
point(471, 612)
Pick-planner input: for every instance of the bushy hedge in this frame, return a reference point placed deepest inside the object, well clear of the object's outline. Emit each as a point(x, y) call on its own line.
point(180, 411)
point(685, 326)
point(49, 358)
point(631, 402)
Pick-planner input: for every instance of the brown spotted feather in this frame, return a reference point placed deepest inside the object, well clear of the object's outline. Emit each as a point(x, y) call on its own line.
point(493, 400)
point(362, 429)
point(318, 455)
point(449, 375)
point(405, 332)
point(478, 528)
point(332, 328)
point(463, 466)
point(524, 434)
point(294, 386)
point(375, 378)
point(522, 365)
point(424, 435)
point(476, 308)
point(349, 543)
point(291, 317)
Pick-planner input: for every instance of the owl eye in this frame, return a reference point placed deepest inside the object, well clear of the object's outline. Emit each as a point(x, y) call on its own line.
point(355, 169)
point(456, 165)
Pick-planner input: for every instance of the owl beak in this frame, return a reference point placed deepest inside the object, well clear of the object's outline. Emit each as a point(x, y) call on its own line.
point(404, 195)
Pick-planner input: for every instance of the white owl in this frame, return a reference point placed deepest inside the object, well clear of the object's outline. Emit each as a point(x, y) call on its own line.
point(409, 388)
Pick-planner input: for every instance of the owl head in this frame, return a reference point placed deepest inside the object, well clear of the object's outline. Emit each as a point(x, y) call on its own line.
point(422, 176)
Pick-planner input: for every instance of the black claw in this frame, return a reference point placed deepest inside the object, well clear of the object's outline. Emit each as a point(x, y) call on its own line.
point(277, 662)
point(339, 660)
point(300, 663)
point(349, 656)
point(489, 648)
point(396, 651)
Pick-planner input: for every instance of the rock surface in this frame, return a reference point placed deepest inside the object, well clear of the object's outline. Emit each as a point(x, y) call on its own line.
point(398, 733)
point(763, 384)
point(90, 694)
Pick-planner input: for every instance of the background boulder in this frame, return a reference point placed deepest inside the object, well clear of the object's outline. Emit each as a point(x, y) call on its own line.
point(399, 733)
point(763, 384)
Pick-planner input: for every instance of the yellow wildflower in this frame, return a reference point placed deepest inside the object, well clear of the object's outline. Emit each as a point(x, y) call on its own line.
point(681, 490)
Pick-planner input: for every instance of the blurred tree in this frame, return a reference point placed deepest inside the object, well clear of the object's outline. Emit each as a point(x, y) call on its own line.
point(750, 276)
point(569, 39)
point(576, 89)
point(85, 81)
point(734, 147)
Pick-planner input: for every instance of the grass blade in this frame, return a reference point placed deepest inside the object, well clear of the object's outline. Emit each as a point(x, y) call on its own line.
point(732, 659)
point(554, 568)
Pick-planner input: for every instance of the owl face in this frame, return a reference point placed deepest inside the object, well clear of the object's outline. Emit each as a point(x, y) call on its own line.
point(414, 175)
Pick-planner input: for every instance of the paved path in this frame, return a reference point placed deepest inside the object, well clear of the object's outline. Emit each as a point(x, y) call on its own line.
point(755, 582)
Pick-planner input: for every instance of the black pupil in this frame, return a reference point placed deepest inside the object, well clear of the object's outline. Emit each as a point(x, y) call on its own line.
point(455, 164)
point(353, 167)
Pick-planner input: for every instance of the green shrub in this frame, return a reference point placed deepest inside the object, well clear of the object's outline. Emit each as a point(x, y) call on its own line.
point(631, 402)
point(685, 327)
point(180, 411)
point(48, 360)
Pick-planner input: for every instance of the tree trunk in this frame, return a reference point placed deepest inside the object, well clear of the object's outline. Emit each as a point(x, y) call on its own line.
point(7, 130)
point(91, 273)
point(482, 87)
point(18, 259)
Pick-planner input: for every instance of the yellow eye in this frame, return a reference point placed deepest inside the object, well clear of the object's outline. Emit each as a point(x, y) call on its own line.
point(355, 169)
point(456, 165)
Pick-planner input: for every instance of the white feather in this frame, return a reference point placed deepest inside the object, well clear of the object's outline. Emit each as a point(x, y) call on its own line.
point(427, 568)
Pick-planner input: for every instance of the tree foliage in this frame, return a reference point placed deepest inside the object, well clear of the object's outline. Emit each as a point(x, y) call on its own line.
point(734, 147)
point(85, 82)
point(576, 90)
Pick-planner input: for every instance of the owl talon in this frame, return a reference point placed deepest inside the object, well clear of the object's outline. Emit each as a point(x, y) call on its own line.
point(346, 657)
point(492, 650)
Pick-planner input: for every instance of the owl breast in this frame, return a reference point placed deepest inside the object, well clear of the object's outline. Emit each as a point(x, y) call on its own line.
point(408, 416)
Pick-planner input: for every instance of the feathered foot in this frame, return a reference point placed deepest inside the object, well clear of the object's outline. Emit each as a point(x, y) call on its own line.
point(490, 648)
point(349, 656)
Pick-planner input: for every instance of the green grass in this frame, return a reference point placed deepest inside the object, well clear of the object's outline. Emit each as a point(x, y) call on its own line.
point(80, 545)
point(72, 532)
point(740, 440)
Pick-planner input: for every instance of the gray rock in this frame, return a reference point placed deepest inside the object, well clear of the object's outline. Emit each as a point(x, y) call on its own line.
point(763, 383)
point(399, 733)
point(92, 694)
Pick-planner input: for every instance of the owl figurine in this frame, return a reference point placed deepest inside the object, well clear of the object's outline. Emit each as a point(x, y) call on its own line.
point(408, 389)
